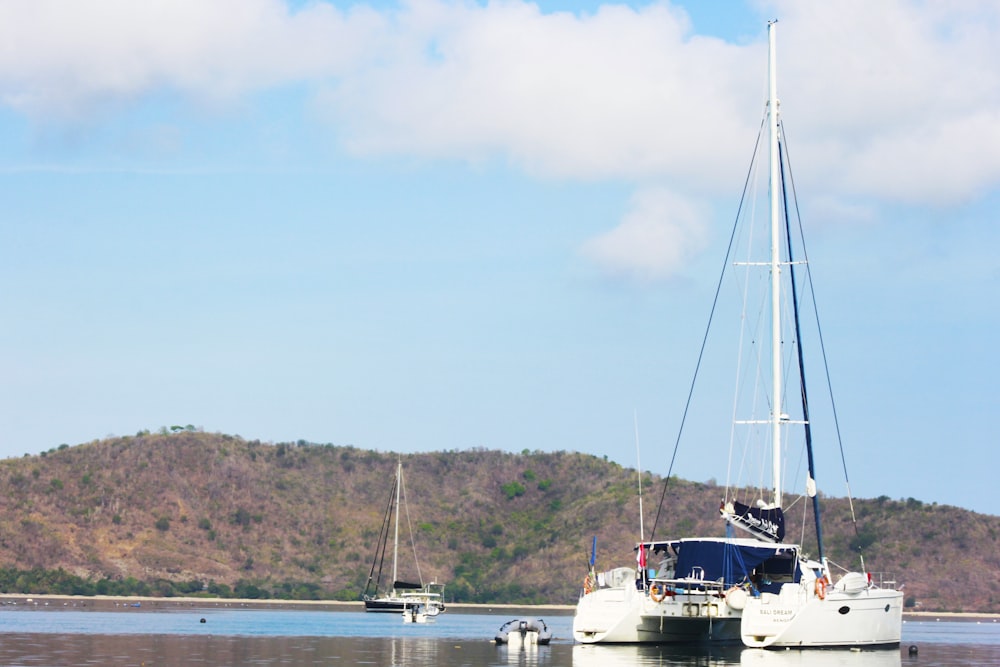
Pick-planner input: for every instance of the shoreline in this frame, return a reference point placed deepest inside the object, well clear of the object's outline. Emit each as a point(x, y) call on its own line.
point(117, 601)
point(950, 615)
point(110, 602)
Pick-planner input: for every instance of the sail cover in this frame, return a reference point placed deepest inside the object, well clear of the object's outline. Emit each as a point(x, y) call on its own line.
point(405, 585)
point(764, 524)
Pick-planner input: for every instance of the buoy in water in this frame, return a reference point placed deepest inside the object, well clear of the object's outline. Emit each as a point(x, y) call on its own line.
point(912, 650)
point(202, 621)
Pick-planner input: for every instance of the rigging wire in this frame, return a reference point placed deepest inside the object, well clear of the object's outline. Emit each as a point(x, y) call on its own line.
point(409, 527)
point(704, 341)
point(822, 347)
point(803, 394)
point(738, 395)
point(383, 540)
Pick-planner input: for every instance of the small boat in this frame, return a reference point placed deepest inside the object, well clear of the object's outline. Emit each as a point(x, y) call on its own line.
point(522, 632)
point(399, 596)
point(419, 613)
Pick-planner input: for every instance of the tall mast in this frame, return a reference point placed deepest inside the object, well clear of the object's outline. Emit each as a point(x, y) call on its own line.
point(772, 121)
point(395, 539)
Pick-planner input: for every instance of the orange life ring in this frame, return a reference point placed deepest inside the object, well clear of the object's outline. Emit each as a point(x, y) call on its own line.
point(588, 585)
point(657, 592)
point(821, 587)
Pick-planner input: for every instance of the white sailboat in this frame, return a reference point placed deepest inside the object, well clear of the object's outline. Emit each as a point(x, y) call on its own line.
point(682, 591)
point(689, 590)
point(812, 610)
point(755, 589)
point(414, 600)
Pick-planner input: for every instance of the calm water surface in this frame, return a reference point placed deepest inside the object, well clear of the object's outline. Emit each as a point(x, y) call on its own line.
point(151, 637)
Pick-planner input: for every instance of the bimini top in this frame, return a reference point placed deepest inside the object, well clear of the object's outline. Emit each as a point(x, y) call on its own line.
point(731, 561)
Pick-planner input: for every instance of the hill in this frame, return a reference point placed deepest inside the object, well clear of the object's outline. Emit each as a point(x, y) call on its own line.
point(185, 511)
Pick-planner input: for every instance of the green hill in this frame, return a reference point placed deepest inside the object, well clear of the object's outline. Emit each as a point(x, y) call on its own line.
point(181, 512)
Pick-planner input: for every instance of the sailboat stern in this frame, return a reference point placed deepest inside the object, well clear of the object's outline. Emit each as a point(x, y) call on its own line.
point(609, 614)
point(765, 619)
point(840, 617)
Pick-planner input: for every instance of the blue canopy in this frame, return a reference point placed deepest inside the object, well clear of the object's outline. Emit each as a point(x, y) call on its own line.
point(732, 561)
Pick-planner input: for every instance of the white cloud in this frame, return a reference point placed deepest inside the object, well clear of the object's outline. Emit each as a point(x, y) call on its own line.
point(656, 236)
point(619, 93)
point(63, 59)
point(896, 99)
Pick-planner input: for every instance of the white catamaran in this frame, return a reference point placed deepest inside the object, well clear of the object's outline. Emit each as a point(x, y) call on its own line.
point(414, 600)
point(812, 610)
point(757, 589)
point(683, 591)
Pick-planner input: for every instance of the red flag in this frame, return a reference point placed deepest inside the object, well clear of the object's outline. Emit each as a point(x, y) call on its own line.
point(641, 557)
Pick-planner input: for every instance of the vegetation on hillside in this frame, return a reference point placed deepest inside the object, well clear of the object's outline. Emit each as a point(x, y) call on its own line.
point(186, 513)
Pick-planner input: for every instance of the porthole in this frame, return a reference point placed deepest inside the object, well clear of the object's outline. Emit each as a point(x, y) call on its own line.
point(843, 610)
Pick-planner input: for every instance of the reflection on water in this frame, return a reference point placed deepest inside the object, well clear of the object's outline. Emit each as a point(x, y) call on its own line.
point(712, 656)
point(37, 650)
point(932, 654)
point(530, 655)
point(305, 639)
point(153, 650)
point(831, 658)
point(595, 655)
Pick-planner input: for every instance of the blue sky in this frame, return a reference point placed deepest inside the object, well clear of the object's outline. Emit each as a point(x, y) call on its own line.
point(438, 225)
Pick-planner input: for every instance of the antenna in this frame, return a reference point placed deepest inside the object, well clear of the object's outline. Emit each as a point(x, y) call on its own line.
point(638, 466)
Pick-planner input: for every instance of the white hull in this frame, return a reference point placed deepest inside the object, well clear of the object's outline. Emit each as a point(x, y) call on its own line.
point(609, 615)
point(797, 618)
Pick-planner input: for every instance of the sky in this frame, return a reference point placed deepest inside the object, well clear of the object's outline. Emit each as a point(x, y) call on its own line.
point(435, 225)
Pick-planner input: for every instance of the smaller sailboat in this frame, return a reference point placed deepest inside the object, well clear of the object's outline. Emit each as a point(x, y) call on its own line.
point(413, 599)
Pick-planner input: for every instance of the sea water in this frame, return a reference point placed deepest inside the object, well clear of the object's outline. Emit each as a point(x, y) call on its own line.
point(148, 637)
